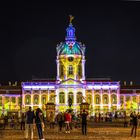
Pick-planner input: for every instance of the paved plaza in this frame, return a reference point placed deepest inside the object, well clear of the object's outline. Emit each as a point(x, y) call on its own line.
point(100, 132)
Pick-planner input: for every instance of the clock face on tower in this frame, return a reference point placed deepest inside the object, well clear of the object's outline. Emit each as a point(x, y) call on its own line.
point(70, 59)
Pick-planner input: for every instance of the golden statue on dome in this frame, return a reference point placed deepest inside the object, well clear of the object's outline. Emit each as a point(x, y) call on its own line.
point(71, 18)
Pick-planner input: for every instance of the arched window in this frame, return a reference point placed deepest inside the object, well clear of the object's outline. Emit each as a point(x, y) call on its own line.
point(89, 98)
point(43, 99)
point(70, 96)
point(113, 99)
point(70, 71)
point(61, 97)
point(79, 97)
point(105, 99)
point(52, 98)
point(27, 99)
point(97, 99)
point(36, 99)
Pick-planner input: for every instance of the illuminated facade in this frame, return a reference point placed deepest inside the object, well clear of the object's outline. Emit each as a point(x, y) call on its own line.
point(70, 82)
point(10, 98)
point(102, 95)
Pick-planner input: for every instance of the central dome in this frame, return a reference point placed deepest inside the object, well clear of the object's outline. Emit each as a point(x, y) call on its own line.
point(70, 46)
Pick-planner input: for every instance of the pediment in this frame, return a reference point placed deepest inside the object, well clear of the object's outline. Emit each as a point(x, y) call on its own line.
point(70, 82)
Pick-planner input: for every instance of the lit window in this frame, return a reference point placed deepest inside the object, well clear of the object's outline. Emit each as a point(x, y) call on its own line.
point(97, 99)
point(27, 99)
point(43, 99)
point(61, 97)
point(89, 98)
point(36, 99)
point(114, 99)
point(70, 96)
point(105, 99)
point(70, 70)
point(79, 97)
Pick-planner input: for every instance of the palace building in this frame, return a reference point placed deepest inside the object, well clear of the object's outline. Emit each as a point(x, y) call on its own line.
point(71, 83)
point(103, 95)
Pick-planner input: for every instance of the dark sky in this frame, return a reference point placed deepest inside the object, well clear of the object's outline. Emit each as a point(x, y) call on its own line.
point(29, 33)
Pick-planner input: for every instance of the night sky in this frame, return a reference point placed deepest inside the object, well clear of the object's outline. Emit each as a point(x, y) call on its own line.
point(29, 33)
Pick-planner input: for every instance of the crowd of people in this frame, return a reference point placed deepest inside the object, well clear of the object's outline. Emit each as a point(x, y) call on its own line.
point(31, 120)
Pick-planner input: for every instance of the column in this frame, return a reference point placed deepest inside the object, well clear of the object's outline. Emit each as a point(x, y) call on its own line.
point(16, 102)
point(109, 100)
point(84, 94)
point(83, 69)
point(23, 100)
point(40, 104)
point(118, 98)
point(48, 95)
point(75, 99)
point(58, 69)
point(101, 95)
point(32, 99)
point(57, 97)
point(93, 103)
point(66, 96)
point(57, 100)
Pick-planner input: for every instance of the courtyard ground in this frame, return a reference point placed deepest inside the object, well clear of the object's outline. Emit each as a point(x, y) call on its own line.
point(96, 131)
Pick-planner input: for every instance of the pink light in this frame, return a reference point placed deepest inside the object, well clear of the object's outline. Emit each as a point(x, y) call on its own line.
point(38, 87)
point(103, 86)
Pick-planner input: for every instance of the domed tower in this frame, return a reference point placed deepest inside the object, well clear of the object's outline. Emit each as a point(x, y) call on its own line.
point(70, 57)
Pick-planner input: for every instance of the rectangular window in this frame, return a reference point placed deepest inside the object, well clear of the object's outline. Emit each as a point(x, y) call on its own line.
point(70, 71)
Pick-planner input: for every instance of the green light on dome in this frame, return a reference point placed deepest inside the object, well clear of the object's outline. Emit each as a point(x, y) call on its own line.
point(70, 50)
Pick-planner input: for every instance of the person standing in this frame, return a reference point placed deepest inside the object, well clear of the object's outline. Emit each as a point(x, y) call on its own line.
point(60, 121)
point(84, 122)
point(134, 123)
point(39, 122)
point(131, 118)
point(29, 123)
point(67, 117)
point(22, 122)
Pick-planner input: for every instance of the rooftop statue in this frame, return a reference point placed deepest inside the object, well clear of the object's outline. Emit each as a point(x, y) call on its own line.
point(71, 18)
